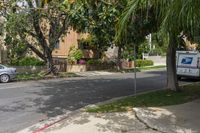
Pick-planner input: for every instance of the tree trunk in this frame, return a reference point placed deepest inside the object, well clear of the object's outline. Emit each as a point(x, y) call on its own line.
point(172, 82)
point(119, 63)
point(96, 53)
point(50, 66)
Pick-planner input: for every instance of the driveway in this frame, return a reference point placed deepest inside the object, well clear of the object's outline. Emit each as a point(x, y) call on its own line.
point(23, 104)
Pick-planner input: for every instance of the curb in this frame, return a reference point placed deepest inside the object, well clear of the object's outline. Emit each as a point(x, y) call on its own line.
point(53, 121)
point(36, 128)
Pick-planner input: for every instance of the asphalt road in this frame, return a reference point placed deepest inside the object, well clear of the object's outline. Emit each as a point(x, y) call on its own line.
point(23, 104)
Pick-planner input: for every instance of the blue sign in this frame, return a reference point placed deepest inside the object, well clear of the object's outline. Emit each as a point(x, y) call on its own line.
point(187, 60)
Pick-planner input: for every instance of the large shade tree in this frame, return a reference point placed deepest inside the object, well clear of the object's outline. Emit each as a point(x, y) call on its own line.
point(98, 18)
point(39, 25)
point(173, 18)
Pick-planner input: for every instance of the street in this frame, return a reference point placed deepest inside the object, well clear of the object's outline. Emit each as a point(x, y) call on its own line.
point(23, 104)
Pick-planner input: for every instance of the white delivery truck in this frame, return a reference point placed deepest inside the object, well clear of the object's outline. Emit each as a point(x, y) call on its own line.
point(188, 64)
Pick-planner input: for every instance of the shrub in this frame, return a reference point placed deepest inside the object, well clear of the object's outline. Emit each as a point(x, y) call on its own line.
point(74, 55)
point(100, 63)
point(94, 62)
point(28, 61)
point(142, 63)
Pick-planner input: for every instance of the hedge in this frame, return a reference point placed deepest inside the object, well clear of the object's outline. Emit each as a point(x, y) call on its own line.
point(28, 61)
point(142, 63)
point(94, 62)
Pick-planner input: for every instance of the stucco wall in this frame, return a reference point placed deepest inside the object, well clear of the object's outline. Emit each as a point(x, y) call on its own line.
point(29, 69)
point(158, 60)
point(71, 39)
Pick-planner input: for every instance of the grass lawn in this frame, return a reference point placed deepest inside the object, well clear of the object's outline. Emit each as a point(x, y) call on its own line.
point(151, 99)
point(38, 76)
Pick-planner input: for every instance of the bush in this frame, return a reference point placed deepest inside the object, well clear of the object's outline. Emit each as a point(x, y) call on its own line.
point(28, 61)
point(142, 63)
point(94, 62)
point(74, 55)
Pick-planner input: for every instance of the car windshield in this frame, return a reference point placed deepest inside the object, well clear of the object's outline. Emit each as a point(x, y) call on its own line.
point(2, 66)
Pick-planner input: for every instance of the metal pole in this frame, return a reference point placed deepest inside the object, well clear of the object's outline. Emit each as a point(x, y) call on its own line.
point(150, 41)
point(135, 73)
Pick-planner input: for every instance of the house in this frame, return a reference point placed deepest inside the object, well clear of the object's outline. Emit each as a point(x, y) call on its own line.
point(66, 42)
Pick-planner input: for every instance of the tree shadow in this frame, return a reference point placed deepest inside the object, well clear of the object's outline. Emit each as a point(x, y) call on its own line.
point(70, 95)
point(106, 122)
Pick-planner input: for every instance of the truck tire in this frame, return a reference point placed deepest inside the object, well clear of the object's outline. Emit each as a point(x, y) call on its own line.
point(179, 77)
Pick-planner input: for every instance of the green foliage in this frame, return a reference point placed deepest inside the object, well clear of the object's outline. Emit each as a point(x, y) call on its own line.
point(94, 62)
point(143, 48)
point(152, 99)
point(98, 62)
point(88, 43)
point(128, 56)
point(99, 19)
point(38, 26)
point(16, 48)
point(142, 63)
point(27, 61)
point(74, 54)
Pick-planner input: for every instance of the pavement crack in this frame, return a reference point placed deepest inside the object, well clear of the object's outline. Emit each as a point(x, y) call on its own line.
point(149, 127)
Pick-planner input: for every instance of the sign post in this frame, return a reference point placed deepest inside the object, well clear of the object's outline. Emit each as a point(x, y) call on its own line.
point(135, 72)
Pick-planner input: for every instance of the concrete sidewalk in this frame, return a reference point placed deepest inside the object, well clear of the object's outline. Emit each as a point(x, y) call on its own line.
point(184, 118)
point(94, 73)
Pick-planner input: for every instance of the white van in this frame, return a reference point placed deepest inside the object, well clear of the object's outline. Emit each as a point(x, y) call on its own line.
point(188, 64)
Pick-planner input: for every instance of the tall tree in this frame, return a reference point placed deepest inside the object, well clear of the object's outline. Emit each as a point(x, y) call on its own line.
point(173, 18)
point(98, 18)
point(40, 27)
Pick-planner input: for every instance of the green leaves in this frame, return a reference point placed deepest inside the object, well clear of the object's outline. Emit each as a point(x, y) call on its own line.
point(99, 19)
point(74, 55)
point(171, 16)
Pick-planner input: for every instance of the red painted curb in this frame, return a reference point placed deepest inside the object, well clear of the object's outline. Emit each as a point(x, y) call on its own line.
point(49, 125)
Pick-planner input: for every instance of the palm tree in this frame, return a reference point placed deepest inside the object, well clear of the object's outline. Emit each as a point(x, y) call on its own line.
point(173, 18)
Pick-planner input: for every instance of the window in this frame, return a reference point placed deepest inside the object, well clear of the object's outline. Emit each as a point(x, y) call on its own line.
point(1, 67)
point(57, 45)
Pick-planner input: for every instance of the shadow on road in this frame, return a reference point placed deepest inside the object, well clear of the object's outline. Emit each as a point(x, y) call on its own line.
point(69, 95)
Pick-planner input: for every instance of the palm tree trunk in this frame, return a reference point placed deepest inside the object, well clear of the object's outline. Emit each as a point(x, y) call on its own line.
point(172, 82)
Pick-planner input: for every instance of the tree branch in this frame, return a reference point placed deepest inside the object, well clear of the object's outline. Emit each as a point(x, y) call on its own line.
point(34, 49)
point(36, 25)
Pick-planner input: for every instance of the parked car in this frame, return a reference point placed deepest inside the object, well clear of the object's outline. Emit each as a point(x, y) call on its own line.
point(7, 73)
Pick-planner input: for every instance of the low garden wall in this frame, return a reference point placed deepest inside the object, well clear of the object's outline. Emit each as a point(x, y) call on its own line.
point(83, 68)
point(76, 68)
point(139, 63)
point(29, 69)
point(158, 60)
point(100, 67)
